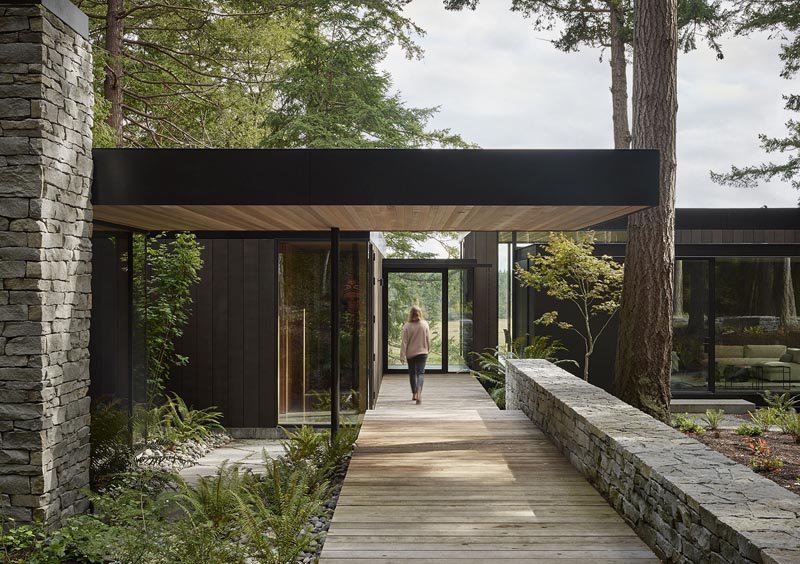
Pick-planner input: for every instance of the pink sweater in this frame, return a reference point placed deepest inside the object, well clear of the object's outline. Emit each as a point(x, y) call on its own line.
point(416, 339)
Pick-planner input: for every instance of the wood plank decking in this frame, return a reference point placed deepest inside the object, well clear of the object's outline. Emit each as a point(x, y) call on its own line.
point(456, 480)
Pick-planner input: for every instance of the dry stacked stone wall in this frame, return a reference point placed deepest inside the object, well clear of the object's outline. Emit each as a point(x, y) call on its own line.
point(689, 503)
point(45, 259)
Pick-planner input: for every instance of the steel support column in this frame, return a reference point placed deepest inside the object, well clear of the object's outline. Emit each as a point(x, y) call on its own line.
point(335, 303)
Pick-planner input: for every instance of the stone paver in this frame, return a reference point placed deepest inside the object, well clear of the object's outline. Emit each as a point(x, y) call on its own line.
point(245, 453)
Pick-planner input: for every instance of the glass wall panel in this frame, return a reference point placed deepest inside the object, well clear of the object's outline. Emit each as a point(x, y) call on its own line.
point(504, 279)
point(459, 320)
point(690, 326)
point(423, 289)
point(304, 329)
point(757, 334)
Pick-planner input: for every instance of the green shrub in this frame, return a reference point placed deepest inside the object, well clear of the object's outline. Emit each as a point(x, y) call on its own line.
point(687, 424)
point(789, 422)
point(749, 430)
point(111, 454)
point(763, 418)
point(714, 418)
point(780, 403)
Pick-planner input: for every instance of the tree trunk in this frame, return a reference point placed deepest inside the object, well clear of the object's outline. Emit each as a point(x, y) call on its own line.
point(677, 294)
point(619, 78)
point(788, 307)
point(112, 86)
point(644, 346)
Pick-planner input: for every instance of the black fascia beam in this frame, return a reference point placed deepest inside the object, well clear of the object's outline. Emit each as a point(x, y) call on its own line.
point(478, 177)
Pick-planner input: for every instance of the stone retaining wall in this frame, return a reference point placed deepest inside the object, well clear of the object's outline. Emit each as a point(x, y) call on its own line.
point(46, 105)
point(687, 502)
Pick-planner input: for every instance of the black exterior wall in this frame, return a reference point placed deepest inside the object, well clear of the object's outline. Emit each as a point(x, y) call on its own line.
point(700, 234)
point(230, 338)
point(482, 246)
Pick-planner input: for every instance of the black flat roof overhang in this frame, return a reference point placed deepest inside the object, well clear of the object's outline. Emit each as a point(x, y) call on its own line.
point(376, 181)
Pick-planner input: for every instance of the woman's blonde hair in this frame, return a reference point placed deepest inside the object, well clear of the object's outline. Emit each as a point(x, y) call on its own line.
point(415, 314)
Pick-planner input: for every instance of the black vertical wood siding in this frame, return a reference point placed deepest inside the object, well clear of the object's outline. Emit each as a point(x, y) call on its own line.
point(482, 245)
point(230, 338)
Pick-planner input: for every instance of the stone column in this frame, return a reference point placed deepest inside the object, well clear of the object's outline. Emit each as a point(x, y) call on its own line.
point(46, 104)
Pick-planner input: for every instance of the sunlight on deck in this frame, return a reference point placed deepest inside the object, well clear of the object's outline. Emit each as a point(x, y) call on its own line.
point(456, 480)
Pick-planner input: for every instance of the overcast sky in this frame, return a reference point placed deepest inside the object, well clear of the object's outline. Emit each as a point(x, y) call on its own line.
point(501, 84)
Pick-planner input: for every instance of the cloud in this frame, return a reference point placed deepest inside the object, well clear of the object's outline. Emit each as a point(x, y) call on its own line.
point(501, 84)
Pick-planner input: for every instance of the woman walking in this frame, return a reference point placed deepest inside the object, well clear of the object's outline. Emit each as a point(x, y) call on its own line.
point(414, 347)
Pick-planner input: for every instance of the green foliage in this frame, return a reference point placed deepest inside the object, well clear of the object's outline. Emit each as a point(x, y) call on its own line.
point(319, 450)
point(166, 270)
point(233, 517)
point(780, 19)
point(332, 93)
point(284, 503)
point(181, 423)
point(763, 418)
point(585, 23)
point(111, 454)
point(763, 460)
point(789, 422)
point(686, 424)
point(406, 244)
point(174, 422)
point(749, 430)
point(492, 362)
point(215, 499)
point(568, 271)
point(714, 418)
point(25, 544)
point(780, 403)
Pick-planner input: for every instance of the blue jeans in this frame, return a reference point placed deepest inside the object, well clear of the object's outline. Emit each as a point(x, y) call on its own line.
point(416, 372)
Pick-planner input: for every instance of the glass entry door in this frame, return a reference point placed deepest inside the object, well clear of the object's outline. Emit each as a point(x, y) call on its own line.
point(445, 297)
point(422, 289)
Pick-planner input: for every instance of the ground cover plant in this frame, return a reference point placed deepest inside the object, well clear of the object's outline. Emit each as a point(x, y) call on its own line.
point(235, 516)
point(491, 364)
point(766, 440)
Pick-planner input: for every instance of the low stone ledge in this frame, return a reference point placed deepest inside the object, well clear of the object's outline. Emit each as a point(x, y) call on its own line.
point(686, 501)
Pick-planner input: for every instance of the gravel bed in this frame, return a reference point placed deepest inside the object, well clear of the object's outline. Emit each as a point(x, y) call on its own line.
point(320, 524)
point(155, 457)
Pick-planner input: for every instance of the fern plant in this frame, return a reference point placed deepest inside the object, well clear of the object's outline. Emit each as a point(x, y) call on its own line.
point(215, 498)
point(181, 423)
point(492, 362)
point(111, 454)
point(274, 519)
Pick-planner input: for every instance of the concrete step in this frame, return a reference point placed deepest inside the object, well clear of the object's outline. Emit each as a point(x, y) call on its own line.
point(733, 406)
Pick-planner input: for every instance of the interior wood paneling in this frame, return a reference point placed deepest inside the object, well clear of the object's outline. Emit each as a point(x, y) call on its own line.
point(358, 218)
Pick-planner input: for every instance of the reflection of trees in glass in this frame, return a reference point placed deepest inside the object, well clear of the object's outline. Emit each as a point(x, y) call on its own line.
point(756, 301)
point(304, 278)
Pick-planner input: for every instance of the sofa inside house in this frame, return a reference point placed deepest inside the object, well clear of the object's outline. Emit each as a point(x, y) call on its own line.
point(757, 366)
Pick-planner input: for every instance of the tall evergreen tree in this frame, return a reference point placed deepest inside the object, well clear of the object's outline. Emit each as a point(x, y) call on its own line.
point(608, 24)
point(782, 19)
point(644, 344)
point(332, 93)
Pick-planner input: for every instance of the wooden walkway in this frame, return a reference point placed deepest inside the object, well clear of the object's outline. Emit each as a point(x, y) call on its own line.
point(456, 480)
